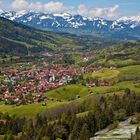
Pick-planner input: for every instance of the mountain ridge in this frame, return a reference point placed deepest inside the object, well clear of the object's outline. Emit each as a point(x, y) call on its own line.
point(65, 22)
point(16, 38)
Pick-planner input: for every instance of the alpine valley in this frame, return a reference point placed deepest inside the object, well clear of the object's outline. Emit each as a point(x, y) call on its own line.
point(69, 77)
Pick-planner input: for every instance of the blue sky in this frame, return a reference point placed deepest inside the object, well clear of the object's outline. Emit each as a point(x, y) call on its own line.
point(91, 8)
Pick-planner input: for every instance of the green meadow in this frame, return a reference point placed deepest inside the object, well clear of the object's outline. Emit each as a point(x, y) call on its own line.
point(28, 110)
point(68, 92)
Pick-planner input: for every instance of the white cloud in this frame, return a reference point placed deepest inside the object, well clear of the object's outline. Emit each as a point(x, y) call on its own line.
point(35, 6)
point(19, 4)
point(59, 7)
point(54, 6)
point(109, 12)
point(38, 6)
point(82, 9)
point(23, 4)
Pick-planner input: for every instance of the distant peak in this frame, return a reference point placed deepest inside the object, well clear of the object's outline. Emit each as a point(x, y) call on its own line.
point(1, 11)
point(62, 15)
point(131, 18)
point(98, 18)
point(21, 11)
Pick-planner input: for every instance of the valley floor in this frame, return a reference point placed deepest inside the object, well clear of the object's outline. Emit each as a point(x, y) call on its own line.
point(126, 77)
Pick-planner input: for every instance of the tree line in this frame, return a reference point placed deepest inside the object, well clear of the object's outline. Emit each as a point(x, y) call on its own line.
point(62, 122)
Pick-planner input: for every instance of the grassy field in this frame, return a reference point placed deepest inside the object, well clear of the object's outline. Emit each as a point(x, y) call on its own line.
point(83, 114)
point(124, 74)
point(28, 110)
point(68, 92)
point(106, 73)
point(130, 73)
point(117, 87)
point(126, 77)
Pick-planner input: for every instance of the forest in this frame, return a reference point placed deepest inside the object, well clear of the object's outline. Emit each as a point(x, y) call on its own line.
point(63, 123)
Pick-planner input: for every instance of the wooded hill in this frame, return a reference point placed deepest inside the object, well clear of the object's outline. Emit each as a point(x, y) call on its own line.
point(19, 39)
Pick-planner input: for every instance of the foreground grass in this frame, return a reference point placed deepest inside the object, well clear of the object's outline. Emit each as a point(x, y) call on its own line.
point(27, 110)
point(1, 138)
point(83, 114)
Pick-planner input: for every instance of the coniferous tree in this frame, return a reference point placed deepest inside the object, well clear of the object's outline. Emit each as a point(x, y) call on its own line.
point(84, 133)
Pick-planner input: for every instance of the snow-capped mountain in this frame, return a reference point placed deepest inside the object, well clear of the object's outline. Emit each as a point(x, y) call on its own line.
point(133, 21)
point(132, 18)
point(72, 23)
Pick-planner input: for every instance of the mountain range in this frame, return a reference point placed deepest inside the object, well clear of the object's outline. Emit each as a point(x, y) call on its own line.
point(16, 38)
point(19, 39)
point(124, 28)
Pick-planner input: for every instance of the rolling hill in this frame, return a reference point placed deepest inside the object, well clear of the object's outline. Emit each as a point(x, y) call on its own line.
point(16, 38)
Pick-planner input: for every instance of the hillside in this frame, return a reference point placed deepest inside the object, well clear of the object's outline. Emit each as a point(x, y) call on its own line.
point(16, 38)
point(117, 55)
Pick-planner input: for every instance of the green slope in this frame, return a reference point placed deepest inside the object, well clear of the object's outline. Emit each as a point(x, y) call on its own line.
point(19, 39)
point(118, 55)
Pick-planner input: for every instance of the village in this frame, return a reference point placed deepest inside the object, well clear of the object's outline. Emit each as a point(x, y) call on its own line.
point(27, 86)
